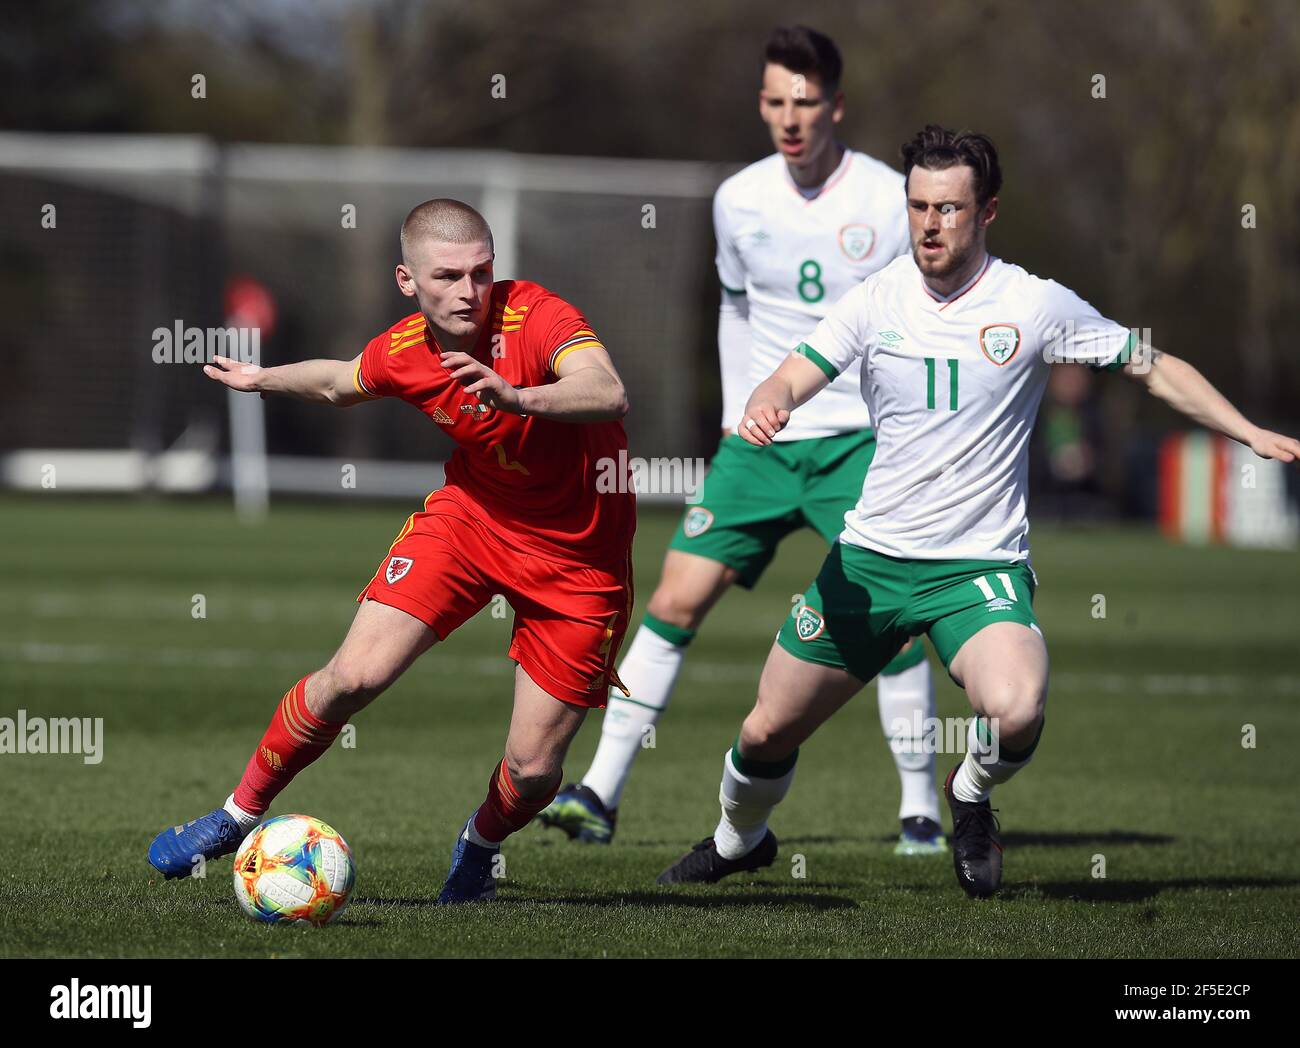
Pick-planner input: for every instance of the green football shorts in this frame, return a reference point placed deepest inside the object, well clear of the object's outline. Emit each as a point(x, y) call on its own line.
point(864, 606)
point(754, 497)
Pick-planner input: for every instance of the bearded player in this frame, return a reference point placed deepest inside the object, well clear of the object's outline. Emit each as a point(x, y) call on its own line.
point(795, 231)
point(515, 375)
point(956, 347)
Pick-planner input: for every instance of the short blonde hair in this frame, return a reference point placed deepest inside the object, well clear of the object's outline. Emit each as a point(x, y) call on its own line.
point(451, 221)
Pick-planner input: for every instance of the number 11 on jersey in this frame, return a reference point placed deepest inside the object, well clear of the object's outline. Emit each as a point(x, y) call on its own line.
point(930, 368)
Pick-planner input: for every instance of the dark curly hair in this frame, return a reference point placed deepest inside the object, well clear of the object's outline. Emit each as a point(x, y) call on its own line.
point(936, 148)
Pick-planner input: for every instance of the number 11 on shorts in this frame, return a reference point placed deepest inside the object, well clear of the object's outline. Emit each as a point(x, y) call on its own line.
point(983, 583)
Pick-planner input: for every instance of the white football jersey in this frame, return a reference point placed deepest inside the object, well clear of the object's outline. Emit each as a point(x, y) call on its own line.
point(794, 258)
point(954, 387)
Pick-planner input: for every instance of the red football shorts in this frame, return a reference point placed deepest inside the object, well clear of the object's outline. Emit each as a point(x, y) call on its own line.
point(445, 566)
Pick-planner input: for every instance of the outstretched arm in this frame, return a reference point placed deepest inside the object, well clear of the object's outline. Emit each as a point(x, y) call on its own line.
point(1186, 390)
point(322, 381)
point(795, 382)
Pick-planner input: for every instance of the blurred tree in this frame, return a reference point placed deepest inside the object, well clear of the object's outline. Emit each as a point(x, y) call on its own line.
point(1133, 198)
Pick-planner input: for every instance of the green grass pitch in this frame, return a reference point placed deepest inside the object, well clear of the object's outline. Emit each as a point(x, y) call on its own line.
point(1142, 761)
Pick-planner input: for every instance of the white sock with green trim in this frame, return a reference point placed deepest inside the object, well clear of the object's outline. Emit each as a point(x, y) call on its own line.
point(906, 709)
point(748, 800)
point(650, 671)
point(979, 772)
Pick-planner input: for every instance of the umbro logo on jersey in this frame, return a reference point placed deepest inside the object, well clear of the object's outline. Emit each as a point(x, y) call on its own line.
point(397, 569)
point(999, 342)
point(891, 336)
point(441, 416)
point(999, 604)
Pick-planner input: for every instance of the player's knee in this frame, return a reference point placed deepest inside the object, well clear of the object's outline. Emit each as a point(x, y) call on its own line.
point(532, 776)
point(676, 607)
point(1015, 708)
point(352, 682)
point(765, 740)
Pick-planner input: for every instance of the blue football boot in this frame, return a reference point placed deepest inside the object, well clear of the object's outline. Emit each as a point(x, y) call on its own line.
point(580, 813)
point(470, 878)
point(174, 852)
point(921, 836)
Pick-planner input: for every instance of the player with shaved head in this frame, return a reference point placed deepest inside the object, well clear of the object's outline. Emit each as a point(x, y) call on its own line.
point(444, 221)
point(516, 376)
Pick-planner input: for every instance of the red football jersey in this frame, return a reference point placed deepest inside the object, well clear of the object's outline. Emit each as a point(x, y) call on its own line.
point(560, 490)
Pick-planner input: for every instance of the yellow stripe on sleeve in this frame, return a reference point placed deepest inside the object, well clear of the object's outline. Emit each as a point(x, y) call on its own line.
point(360, 385)
point(590, 343)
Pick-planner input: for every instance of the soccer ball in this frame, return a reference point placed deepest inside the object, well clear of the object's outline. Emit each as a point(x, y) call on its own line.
point(294, 868)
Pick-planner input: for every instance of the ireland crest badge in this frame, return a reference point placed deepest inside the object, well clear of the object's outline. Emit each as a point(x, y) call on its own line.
point(999, 342)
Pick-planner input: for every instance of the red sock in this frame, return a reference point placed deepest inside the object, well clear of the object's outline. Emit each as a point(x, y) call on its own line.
point(505, 811)
point(295, 738)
